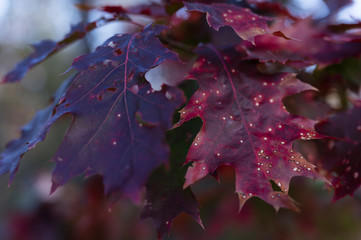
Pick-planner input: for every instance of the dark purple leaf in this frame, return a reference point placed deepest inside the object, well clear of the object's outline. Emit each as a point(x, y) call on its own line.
point(166, 198)
point(119, 122)
point(340, 155)
point(46, 48)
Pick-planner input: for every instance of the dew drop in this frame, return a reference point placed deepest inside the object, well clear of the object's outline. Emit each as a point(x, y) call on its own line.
point(195, 144)
point(134, 89)
point(119, 115)
point(168, 96)
point(114, 143)
point(279, 184)
point(218, 154)
point(270, 129)
point(258, 169)
point(241, 141)
point(355, 175)
point(250, 124)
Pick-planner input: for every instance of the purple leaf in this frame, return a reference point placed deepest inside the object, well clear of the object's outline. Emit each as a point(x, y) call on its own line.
point(166, 198)
point(32, 133)
point(341, 157)
point(46, 48)
point(119, 124)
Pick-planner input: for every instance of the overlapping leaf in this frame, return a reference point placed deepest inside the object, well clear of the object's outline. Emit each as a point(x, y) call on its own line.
point(341, 158)
point(46, 48)
point(245, 125)
point(245, 23)
point(119, 122)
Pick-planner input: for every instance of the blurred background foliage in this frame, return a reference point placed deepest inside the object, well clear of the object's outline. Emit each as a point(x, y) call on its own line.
point(78, 210)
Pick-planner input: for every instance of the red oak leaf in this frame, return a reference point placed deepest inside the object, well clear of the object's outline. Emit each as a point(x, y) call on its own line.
point(245, 125)
point(119, 123)
point(31, 134)
point(166, 198)
point(245, 23)
point(310, 43)
point(46, 48)
point(341, 158)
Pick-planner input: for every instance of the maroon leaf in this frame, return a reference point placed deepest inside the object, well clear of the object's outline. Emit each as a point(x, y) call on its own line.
point(119, 123)
point(46, 48)
point(341, 158)
point(166, 198)
point(245, 125)
point(245, 23)
point(32, 133)
point(312, 44)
